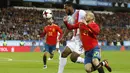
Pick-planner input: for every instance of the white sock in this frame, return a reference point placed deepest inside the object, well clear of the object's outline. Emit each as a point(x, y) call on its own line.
point(80, 60)
point(62, 64)
point(59, 56)
point(103, 63)
point(59, 51)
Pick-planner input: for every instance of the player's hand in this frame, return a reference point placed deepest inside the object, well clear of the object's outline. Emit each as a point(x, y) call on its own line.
point(84, 21)
point(62, 41)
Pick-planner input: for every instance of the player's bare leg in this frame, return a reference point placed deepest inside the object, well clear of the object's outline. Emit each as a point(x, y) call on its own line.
point(45, 60)
point(51, 56)
point(63, 59)
point(105, 63)
point(75, 57)
point(88, 68)
point(96, 63)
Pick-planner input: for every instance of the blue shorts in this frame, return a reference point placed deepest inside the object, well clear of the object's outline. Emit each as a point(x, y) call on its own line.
point(49, 48)
point(89, 55)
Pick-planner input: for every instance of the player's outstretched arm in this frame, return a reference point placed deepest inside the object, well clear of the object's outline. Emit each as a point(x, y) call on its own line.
point(43, 33)
point(71, 26)
point(60, 31)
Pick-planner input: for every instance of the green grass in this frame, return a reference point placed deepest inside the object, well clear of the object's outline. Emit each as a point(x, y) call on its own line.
point(32, 63)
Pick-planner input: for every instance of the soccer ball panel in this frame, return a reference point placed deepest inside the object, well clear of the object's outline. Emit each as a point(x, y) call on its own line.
point(47, 13)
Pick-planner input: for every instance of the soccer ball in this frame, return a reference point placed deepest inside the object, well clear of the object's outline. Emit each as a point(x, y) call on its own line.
point(47, 13)
point(70, 20)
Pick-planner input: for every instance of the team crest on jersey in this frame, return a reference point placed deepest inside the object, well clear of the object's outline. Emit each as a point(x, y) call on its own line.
point(53, 30)
point(85, 32)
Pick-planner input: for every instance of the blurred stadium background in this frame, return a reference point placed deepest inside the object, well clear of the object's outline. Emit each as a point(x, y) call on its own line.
point(21, 22)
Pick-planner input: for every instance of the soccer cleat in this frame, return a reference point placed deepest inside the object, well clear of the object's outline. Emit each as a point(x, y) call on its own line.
point(45, 66)
point(49, 58)
point(107, 66)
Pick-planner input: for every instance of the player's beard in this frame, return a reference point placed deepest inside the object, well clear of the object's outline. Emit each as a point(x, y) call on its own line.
point(50, 21)
point(69, 12)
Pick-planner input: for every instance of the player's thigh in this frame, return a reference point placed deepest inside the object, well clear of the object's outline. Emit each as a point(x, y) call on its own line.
point(52, 48)
point(66, 52)
point(95, 61)
point(78, 49)
point(88, 67)
point(75, 46)
point(46, 47)
point(74, 56)
point(88, 57)
point(71, 45)
point(96, 54)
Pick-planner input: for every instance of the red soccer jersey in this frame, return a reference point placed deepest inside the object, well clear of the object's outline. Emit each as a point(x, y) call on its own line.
point(51, 32)
point(88, 34)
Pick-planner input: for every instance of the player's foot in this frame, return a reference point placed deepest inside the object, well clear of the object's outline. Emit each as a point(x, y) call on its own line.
point(107, 65)
point(45, 66)
point(49, 58)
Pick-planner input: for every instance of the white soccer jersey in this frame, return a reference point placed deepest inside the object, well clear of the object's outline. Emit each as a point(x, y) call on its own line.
point(75, 44)
point(78, 15)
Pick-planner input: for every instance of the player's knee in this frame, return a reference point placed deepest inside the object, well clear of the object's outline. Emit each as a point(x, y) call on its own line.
point(88, 69)
point(95, 61)
point(73, 59)
point(45, 54)
point(64, 55)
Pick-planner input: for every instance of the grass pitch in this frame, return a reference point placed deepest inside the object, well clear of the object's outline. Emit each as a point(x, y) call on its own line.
point(32, 63)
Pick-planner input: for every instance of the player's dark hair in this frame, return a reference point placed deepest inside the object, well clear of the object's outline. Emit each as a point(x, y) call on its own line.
point(69, 3)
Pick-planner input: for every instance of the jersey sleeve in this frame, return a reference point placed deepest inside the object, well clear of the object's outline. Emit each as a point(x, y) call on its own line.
point(60, 31)
point(70, 27)
point(43, 33)
point(94, 28)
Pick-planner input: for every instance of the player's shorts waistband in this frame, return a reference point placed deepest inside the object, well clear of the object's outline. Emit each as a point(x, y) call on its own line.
point(93, 48)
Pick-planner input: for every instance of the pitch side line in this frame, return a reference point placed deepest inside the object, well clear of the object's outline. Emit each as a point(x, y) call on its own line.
point(5, 59)
point(15, 60)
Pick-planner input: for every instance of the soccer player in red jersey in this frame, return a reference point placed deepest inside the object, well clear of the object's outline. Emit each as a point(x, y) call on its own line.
point(51, 33)
point(89, 31)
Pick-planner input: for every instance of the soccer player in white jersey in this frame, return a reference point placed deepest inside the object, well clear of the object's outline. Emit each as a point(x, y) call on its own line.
point(74, 45)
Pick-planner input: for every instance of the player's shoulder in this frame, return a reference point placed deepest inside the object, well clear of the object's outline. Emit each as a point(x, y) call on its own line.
point(94, 23)
point(55, 25)
point(46, 27)
point(82, 11)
